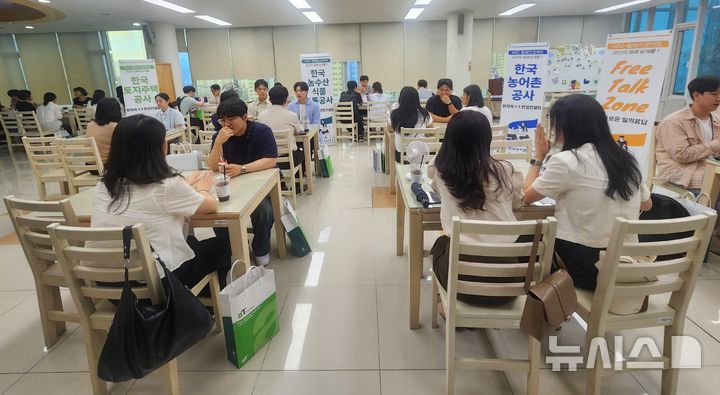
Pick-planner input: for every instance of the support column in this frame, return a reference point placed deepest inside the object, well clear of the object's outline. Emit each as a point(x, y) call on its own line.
point(459, 49)
point(165, 50)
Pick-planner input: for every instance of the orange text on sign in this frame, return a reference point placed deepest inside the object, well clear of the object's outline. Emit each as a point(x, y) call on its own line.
point(619, 85)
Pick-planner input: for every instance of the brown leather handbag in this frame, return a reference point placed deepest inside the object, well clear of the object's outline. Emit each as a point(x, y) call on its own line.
point(551, 301)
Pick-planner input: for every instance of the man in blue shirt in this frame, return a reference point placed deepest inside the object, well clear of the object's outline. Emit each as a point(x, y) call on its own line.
point(307, 110)
point(247, 147)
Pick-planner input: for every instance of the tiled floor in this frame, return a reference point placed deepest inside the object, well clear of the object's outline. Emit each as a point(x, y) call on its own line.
point(343, 321)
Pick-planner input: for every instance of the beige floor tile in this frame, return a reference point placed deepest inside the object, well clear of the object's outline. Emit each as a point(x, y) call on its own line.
point(423, 348)
point(704, 381)
point(318, 383)
point(15, 273)
point(60, 384)
point(432, 382)
point(326, 328)
point(704, 309)
point(7, 380)
point(237, 382)
point(68, 356)
point(573, 383)
point(10, 299)
point(22, 342)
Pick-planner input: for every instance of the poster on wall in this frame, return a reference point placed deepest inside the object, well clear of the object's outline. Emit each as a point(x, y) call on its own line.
point(630, 85)
point(139, 82)
point(574, 67)
point(317, 71)
point(524, 88)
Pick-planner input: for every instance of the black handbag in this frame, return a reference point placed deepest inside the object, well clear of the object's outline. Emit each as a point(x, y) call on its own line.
point(143, 336)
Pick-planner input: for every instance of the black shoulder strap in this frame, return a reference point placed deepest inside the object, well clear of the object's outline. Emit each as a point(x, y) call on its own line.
point(127, 236)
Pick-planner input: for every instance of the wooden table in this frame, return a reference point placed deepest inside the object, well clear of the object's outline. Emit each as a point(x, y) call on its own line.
point(711, 180)
point(390, 153)
point(246, 194)
point(428, 219)
point(173, 134)
point(307, 147)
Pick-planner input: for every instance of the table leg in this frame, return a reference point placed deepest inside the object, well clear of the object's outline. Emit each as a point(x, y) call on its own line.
point(415, 259)
point(711, 183)
point(308, 165)
point(316, 147)
point(277, 214)
point(400, 219)
point(386, 146)
point(239, 241)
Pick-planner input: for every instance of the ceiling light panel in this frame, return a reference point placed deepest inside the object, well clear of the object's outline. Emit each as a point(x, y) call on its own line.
point(414, 13)
point(517, 9)
point(313, 16)
point(300, 4)
point(216, 21)
point(170, 6)
point(623, 5)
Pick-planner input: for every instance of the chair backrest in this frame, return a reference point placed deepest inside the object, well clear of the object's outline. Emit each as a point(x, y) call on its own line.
point(499, 132)
point(284, 141)
point(204, 150)
point(31, 125)
point(344, 112)
point(676, 276)
point(377, 112)
point(30, 219)
point(430, 136)
point(206, 136)
point(11, 124)
point(85, 268)
point(514, 273)
point(207, 118)
point(44, 154)
point(511, 149)
point(423, 102)
point(80, 155)
point(83, 116)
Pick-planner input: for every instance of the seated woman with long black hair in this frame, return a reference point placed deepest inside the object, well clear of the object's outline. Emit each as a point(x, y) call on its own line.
point(138, 186)
point(407, 113)
point(472, 185)
point(593, 180)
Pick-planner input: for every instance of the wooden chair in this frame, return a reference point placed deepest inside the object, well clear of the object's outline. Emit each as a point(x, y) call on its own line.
point(30, 220)
point(344, 120)
point(31, 126)
point(489, 103)
point(192, 131)
point(82, 160)
point(499, 132)
point(12, 127)
point(285, 144)
point(83, 116)
point(82, 273)
point(207, 118)
point(676, 277)
point(512, 149)
point(505, 316)
point(204, 150)
point(206, 136)
point(47, 163)
point(376, 120)
point(652, 165)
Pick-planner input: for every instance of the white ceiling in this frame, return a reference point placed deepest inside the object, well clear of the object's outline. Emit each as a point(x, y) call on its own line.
point(90, 15)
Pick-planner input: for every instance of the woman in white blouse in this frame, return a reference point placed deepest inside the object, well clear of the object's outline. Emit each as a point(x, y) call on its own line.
point(472, 100)
point(593, 180)
point(50, 114)
point(377, 94)
point(472, 185)
point(138, 186)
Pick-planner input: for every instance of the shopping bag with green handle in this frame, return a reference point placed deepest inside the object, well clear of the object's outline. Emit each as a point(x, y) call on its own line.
point(249, 310)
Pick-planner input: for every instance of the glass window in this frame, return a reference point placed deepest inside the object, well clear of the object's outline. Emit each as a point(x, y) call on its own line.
point(710, 47)
point(664, 17)
point(691, 10)
point(638, 21)
point(185, 68)
point(125, 45)
point(685, 40)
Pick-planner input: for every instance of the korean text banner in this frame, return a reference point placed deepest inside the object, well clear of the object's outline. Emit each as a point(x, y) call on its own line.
point(630, 85)
point(139, 82)
point(317, 71)
point(524, 89)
